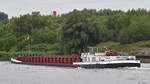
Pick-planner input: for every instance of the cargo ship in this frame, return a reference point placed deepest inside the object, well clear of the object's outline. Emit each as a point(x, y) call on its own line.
point(105, 59)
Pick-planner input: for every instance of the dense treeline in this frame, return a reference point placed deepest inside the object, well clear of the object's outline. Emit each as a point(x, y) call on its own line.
point(72, 32)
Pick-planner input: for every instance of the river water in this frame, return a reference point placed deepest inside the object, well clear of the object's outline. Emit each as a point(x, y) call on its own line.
point(27, 74)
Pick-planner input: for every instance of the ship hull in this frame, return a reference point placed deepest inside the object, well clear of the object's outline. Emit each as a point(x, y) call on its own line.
point(106, 65)
point(112, 65)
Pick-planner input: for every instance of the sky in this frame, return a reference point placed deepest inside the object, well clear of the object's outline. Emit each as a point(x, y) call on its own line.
point(46, 7)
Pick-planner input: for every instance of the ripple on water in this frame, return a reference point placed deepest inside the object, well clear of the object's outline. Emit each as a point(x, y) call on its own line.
point(27, 74)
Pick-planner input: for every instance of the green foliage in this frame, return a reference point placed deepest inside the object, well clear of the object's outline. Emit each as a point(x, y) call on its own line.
point(33, 29)
point(3, 16)
point(26, 23)
point(7, 41)
point(138, 30)
point(74, 32)
point(44, 35)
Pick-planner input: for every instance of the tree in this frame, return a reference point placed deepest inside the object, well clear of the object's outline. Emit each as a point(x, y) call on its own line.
point(138, 30)
point(44, 35)
point(30, 25)
point(75, 32)
point(7, 42)
point(3, 16)
point(98, 31)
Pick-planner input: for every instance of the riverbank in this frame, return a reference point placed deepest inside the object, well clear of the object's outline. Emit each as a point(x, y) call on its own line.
point(126, 47)
point(5, 56)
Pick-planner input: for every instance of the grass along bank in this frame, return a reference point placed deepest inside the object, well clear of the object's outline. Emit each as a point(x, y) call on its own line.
point(118, 47)
point(5, 56)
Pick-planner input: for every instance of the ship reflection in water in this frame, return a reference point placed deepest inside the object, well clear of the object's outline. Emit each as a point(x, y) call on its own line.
point(27, 74)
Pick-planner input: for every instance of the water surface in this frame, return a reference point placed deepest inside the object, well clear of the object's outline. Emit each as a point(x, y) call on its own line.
point(27, 74)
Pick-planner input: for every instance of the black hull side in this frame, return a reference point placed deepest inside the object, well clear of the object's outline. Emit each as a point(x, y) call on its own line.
point(115, 65)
